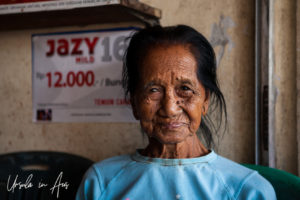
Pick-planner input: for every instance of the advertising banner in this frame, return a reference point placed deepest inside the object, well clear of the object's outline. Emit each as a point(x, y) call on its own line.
point(76, 76)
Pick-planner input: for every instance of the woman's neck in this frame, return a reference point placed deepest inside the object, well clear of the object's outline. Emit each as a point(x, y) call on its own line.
point(190, 148)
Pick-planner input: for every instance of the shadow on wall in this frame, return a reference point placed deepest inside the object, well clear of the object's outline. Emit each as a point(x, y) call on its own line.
point(220, 38)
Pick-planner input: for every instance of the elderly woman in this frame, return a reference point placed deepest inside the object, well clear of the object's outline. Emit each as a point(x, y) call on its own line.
point(170, 77)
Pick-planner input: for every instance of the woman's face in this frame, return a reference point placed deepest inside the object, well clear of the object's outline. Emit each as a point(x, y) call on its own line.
point(170, 99)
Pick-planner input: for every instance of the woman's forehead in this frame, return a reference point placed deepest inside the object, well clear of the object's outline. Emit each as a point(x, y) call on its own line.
point(176, 60)
point(174, 65)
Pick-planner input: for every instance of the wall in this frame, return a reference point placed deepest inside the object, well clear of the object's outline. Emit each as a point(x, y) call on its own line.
point(229, 25)
point(283, 86)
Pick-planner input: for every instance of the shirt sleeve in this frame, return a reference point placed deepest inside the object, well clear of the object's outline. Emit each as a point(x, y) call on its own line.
point(256, 187)
point(90, 187)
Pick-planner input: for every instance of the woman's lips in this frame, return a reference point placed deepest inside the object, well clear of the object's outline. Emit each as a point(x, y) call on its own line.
point(172, 125)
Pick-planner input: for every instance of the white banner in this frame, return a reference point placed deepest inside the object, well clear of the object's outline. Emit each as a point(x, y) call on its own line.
point(76, 76)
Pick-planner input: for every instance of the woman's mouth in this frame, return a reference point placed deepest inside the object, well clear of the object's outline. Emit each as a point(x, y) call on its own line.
point(172, 125)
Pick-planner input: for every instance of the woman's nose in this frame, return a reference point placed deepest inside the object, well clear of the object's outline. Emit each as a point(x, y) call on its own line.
point(169, 105)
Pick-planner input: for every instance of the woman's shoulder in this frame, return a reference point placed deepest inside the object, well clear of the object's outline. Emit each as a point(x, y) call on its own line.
point(98, 176)
point(241, 181)
point(113, 161)
point(108, 168)
point(228, 167)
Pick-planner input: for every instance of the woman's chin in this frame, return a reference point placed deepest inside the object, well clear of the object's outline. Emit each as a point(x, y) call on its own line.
point(171, 137)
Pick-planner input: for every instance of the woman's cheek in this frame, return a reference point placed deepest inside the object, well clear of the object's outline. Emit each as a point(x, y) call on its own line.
point(194, 112)
point(147, 113)
point(149, 109)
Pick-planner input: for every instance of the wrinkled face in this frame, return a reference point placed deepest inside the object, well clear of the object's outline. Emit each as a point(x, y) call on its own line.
point(170, 99)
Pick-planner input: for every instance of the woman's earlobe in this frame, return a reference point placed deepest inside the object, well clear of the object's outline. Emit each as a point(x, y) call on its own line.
point(203, 110)
point(205, 107)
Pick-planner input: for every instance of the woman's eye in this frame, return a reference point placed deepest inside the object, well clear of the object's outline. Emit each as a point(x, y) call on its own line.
point(185, 88)
point(153, 90)
point(185, 91)
point(154, 93)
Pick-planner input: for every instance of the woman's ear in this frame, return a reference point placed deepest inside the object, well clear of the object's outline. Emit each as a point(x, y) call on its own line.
point(134, 108)
point(205, 103)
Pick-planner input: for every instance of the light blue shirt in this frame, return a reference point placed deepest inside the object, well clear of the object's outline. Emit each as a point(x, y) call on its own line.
point(136, 177)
